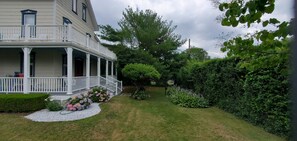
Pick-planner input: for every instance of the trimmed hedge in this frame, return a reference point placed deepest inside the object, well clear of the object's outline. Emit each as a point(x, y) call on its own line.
point(260, 96)
point(220, 82)
point(22, 102)
point(266, 100)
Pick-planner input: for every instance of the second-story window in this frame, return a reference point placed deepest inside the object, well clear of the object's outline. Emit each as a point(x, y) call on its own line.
point(84, 12)
point(29, 19)
point(66, 21)
point(74, 6)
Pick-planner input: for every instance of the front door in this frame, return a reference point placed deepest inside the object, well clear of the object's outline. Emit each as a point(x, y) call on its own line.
point(79, 67)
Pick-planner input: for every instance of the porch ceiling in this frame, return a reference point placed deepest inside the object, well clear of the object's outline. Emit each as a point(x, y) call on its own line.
point(78, 48)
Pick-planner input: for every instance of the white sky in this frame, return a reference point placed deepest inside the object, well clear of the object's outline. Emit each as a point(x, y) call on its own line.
point(195, 19)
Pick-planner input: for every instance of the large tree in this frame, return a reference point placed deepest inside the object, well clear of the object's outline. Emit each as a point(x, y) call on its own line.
point(144, 31)
point(196, 54)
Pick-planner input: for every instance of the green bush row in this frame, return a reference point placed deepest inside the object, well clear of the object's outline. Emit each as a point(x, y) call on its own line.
point(186, 98)
point(22, 102)
point(260, 96)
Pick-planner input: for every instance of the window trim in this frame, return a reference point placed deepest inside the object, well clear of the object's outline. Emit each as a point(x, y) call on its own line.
point(84, 15)
point(32, 29)
point(88, 34)
point(66, 20)
point(74, 9)
point(28, 11)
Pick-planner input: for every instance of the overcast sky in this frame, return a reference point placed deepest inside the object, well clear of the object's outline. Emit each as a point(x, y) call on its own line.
point(195, 19)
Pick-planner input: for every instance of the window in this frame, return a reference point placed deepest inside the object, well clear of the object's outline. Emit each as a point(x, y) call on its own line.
point(66, 21)
point(29, 18)
point(74, 6)
point(84, 12)
point(88, 34)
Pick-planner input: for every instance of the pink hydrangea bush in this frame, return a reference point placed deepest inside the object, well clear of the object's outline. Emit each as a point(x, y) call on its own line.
point(99, 94)
point(78, 103)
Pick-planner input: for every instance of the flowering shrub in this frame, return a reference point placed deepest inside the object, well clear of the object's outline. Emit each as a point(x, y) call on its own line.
point(186, 98)
point(79, 102)
point(99, 94)
point(52, 105)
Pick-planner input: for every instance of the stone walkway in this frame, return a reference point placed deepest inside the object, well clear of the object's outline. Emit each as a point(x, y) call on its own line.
point(49, 116)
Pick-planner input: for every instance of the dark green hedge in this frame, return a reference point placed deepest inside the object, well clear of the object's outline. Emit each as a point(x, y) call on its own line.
point(219, 81)
point(260, 97)
point(266, 100)
point(22, 102)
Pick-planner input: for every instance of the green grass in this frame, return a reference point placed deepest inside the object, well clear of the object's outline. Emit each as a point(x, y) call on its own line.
point(124, 118)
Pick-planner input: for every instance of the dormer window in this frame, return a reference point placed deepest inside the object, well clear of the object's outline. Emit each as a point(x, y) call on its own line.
point(84, 12)
point(74, 6)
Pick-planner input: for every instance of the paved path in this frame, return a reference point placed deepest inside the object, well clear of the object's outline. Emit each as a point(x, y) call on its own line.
point(49, 116)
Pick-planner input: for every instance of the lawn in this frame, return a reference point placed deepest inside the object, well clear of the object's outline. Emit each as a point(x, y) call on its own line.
point(126, 119)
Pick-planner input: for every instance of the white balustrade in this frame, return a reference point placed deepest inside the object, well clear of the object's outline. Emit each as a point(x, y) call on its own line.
point(79, 83)
point(119, 83)
point(52, 33)
point(93, 81)
point(10, 32)
point(48, 84)
point(79, 37)
point(56, 84)
point(11, 84)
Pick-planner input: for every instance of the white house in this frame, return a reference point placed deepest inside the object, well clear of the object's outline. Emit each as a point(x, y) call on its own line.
point(49, 46)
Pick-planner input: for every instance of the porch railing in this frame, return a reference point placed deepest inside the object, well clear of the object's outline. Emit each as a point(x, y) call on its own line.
point(93, 81)
point(11, 84)
point(56, 84)
point(79, 83)
point(52, 33)
point(120, 83)
point(48, 84)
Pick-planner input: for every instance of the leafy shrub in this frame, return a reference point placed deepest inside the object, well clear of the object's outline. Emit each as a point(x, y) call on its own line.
point(186, 98)
point(54, 106)
point(98, 94)
point(22, 102)
point(140, 95)
point(79, 102)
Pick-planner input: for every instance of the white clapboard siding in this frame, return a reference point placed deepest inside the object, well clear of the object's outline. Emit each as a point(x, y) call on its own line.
point(64, 9)
point(10, 11)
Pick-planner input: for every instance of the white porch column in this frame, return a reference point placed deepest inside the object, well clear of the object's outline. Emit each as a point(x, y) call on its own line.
point(26, 68)
point(69, 69)
point(88, 71)
point(116, 72)
point(99, 70)
point(106, 72)
point(112, 69)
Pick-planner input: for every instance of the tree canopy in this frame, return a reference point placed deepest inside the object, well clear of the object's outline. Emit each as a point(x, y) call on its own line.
point(144, 37)
point(265, 46)
point(196, 54)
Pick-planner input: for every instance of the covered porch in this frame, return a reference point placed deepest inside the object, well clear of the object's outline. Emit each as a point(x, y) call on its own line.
point(55, 70)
